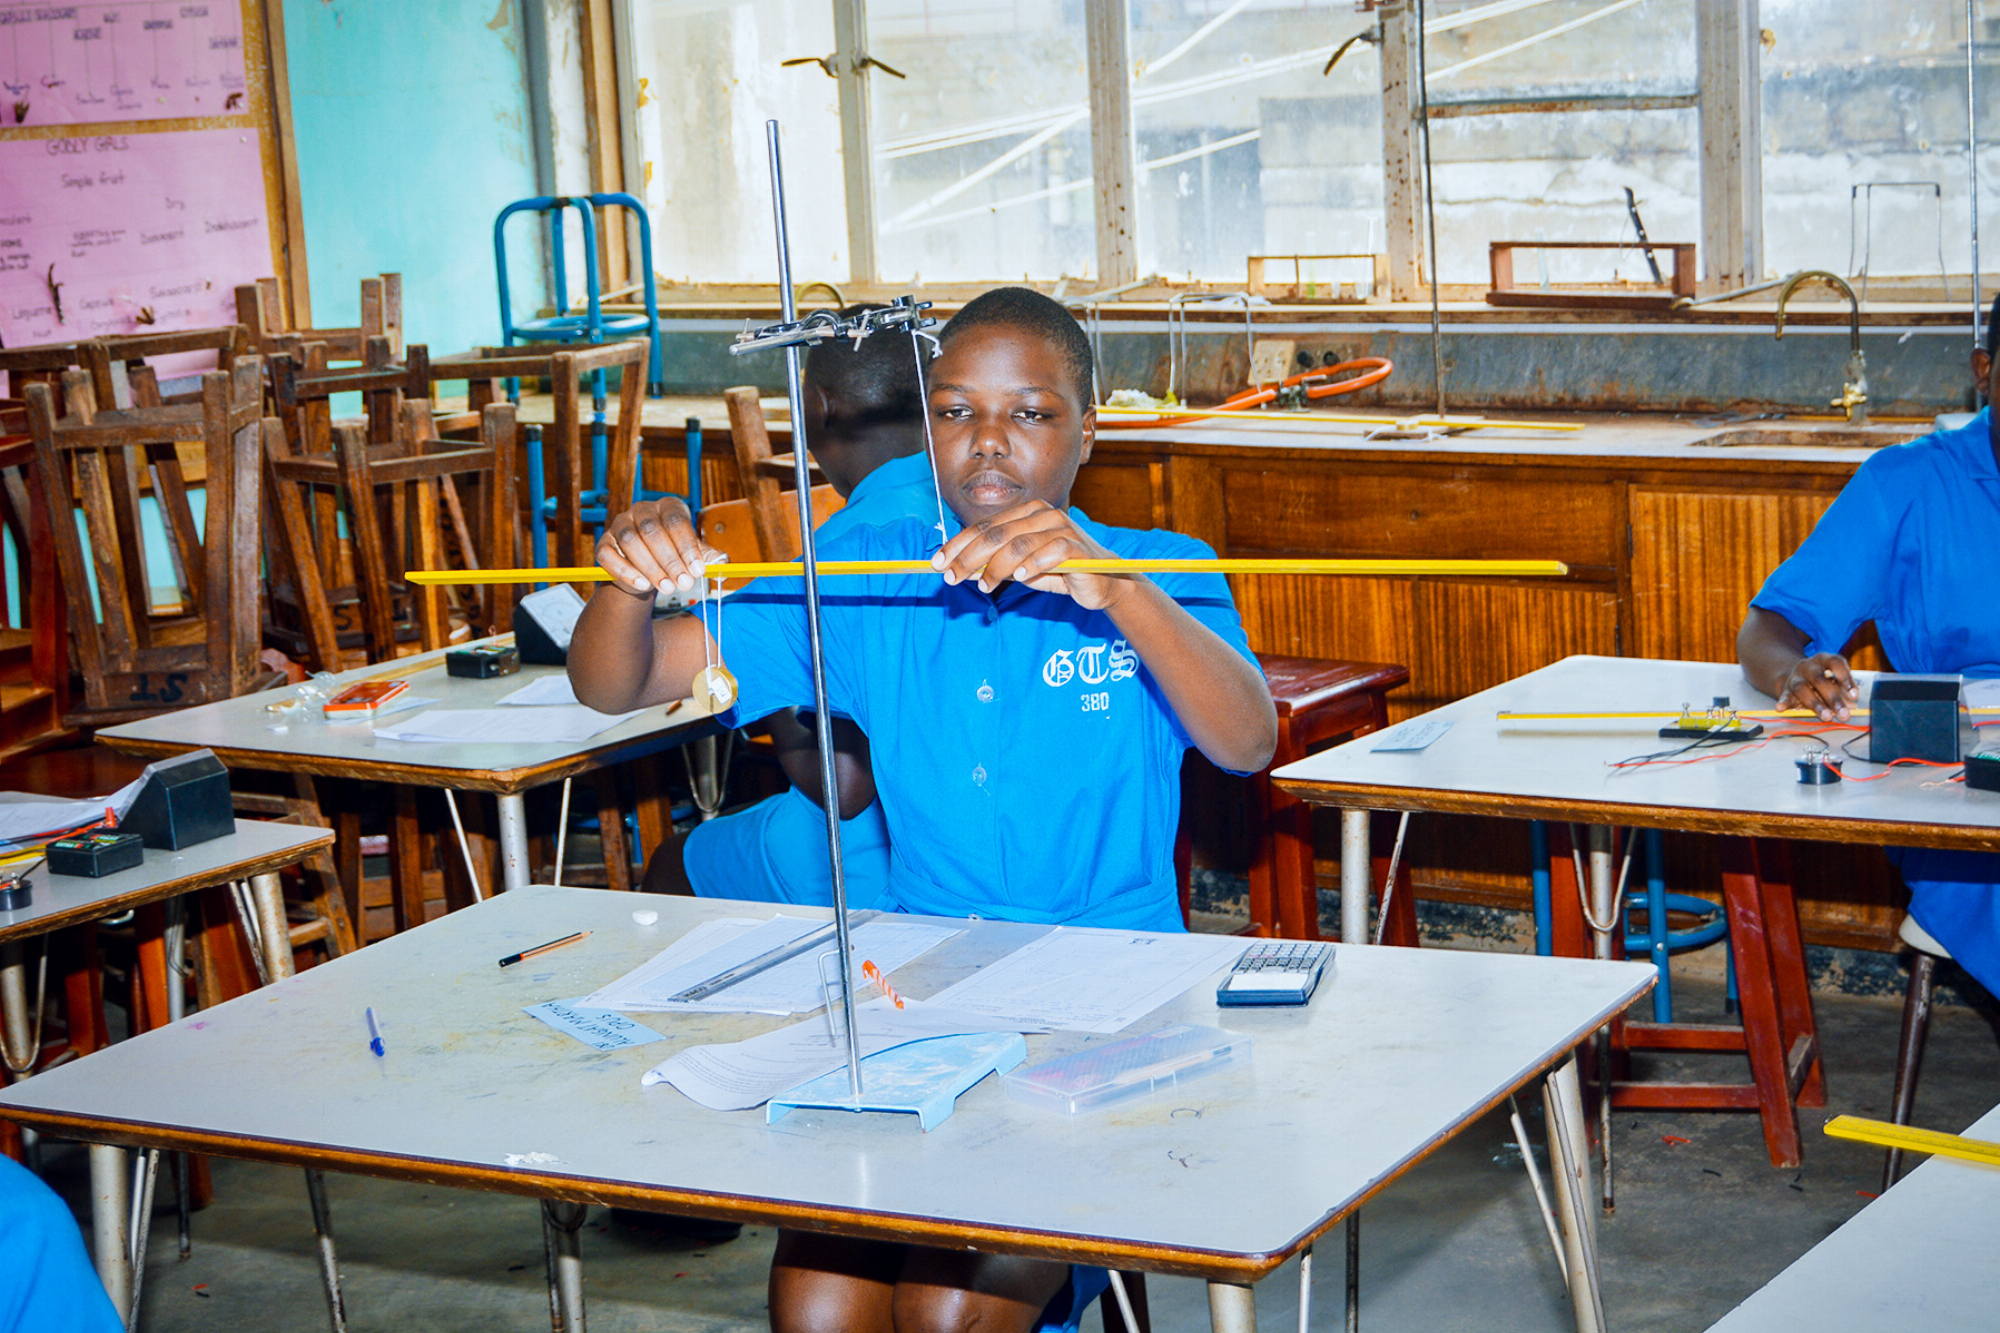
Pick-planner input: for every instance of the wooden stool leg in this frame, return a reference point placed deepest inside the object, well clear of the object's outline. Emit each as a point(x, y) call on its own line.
point(407, 860)
point(1788, 970)
point(82, 973)
point(1763, 1032)
point(1569, 934)
point(611, 833)
point(150, 978)
point(1910, 1053)
point(1264, 915)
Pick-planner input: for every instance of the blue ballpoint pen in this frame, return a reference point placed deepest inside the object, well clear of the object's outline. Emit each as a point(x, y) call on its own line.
point(375, 1035)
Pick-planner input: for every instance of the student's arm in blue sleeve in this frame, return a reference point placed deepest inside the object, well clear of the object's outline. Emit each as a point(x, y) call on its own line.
point(1219, 697)
point(1838, 579)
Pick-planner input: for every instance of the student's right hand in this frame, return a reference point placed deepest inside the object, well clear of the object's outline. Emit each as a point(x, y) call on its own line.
point(654, 545)
point(1822, 683)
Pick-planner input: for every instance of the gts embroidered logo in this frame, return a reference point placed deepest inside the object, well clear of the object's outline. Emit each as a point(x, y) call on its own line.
point(1094, 664)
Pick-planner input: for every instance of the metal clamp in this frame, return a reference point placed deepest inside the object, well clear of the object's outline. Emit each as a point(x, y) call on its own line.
point(905, 313)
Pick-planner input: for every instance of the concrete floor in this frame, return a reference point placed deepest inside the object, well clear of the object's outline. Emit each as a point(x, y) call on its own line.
point(1455, 1245)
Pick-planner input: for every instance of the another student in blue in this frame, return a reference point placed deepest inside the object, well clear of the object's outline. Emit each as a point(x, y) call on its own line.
point(46, 1282)
point(864, 417)
point(1027, 727)
point(1911, 544)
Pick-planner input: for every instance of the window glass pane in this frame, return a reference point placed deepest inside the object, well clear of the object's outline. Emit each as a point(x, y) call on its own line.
point(713, 77)
point(982, 153)
point(1855, 94)
point(1244, 147)
point(1561, 175)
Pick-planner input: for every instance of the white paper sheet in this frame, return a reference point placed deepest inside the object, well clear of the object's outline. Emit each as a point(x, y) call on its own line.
point(27, 815)
point(509, 726)
point(792, 987)
point(1982, 694)
point(1073, 980)
point(541, 692)
point(740, 1075)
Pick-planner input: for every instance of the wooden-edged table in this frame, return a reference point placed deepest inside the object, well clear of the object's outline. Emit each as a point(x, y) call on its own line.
point(1223, 1179)
point(252, 855)
point(1562, 771)
point(247, 733)
point(1920, 1259)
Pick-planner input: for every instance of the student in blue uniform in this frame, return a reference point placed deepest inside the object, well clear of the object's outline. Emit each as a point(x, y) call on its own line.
point(864, 418)
point(46, 1282)
point(1027, 727)
point(1911, 544)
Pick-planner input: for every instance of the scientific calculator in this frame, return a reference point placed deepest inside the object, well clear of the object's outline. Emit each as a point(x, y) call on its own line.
point(1275, 972)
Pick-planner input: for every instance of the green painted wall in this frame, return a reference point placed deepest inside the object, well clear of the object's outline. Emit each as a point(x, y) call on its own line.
point(412, 123)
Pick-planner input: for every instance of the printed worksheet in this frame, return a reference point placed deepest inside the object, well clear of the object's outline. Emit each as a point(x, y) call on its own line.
point(1075, 980)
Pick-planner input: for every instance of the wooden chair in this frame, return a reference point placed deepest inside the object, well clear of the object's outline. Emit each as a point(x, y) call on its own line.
point(34, 648)
point(260, 309)
point(134, 662)
point(765, 478)
point(558, 480)
point(405, 507)
point(121, 376)
point(303, 387)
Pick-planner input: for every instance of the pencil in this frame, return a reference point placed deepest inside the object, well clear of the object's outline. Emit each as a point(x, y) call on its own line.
point(514, 958)
point(837, 568)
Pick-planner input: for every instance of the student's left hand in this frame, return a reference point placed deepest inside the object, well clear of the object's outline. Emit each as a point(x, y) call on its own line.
point(1023, 544)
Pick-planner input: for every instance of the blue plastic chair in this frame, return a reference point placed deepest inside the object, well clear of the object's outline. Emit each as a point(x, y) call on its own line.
point(1657, 940)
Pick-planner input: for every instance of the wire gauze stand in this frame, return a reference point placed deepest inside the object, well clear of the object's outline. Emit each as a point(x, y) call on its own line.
point(906, 314)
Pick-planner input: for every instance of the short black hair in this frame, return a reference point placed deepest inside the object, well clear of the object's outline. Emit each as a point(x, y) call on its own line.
point(875, 379)
point(1038, 316)
point(1993, 328)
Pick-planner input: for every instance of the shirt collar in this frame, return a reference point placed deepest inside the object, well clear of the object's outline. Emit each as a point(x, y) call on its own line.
point(1975, 440)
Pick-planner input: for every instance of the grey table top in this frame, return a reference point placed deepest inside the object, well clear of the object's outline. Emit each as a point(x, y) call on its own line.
point(246, 733)
point(1224, 1177)
point(256, 848)
point(1561, 769)
point(1920, 1259)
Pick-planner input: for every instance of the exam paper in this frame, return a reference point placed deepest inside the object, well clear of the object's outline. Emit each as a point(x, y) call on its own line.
point(24, 815)
point(512, 726)
point(1076, 980)
point(541, 692)
point(743, 1074)
point(792, 987)
point(1982, 693)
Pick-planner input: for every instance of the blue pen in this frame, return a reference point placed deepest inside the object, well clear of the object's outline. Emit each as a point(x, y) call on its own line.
point(375, 1034)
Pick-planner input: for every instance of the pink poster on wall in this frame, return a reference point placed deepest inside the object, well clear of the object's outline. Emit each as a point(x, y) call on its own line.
point(133, 60)
point(114, 234)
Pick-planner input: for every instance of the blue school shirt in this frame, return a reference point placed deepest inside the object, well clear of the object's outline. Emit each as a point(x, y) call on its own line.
point(1911, 543)
point(775, 851)
point(1027, 763)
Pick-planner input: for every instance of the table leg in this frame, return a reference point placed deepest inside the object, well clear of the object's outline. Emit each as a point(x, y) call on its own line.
point(329, 1267)
point(267, 892)
point(1569, 1165)
point(1356, 874)
point(560, 1223)
point(110, 1216)
point(19, 1042)
point(1604, 905)
point(1353, 1324)
point(1232, 1308)
point(514, 872)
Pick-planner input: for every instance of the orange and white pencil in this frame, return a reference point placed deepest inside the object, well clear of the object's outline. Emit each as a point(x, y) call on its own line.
point(874, 974)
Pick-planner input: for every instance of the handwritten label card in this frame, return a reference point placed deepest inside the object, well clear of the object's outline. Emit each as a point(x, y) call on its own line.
point(117, 233)
point(600, 1029)
point(129, 60)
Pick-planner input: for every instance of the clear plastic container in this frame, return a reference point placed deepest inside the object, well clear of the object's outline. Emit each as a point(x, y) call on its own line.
point(1102, 1076)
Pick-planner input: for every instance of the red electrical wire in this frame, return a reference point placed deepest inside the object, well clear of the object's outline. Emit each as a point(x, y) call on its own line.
point(1374, 369)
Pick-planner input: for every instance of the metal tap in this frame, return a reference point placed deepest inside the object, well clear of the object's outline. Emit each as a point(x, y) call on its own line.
point(1854, 392)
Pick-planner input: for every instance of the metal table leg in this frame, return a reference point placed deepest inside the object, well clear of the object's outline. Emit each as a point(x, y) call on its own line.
point(329, 1266)
point(110, 1218)
point(19, 1041)
point(1569, 1164)
point(514, 869)
point(275, 935)
point(1357, 872)
point(560, 1224)
point(1232, 1308)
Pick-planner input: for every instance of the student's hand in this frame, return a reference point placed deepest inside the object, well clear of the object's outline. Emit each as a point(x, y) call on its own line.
point(1822, 683)
point(653, 545)
point(1022, 544)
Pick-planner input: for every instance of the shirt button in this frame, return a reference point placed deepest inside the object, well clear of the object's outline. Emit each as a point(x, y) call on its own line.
point(984, 693)
point(979, 775)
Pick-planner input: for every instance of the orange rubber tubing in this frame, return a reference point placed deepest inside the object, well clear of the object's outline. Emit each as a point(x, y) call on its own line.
point(1374, 369)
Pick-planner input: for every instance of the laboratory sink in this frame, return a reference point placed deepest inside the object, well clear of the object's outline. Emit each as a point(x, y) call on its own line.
point(1830, 436)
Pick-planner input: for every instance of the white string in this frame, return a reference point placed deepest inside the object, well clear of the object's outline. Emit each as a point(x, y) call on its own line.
point(930, 445)
point(1583, 883)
